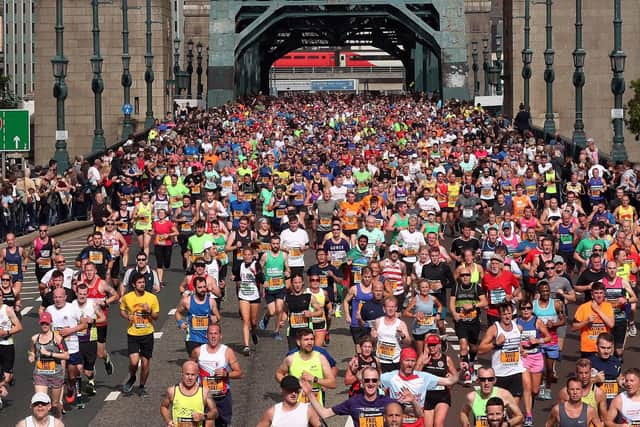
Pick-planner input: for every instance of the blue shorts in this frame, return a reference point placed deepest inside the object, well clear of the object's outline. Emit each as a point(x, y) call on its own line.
point(270, 297)
point(551, 351)
point(75, 358)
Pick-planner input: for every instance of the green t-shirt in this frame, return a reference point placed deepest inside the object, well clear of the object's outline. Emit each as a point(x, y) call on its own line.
point(196, 243)
point(266, 196)
point(585, 247)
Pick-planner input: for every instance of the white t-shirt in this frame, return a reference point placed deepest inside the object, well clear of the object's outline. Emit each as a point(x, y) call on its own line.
point(68, 277)
point(338, 193)
point(411, 242)
point(294, 242)
point(429, 204)
point(66, 317)
point(93, 175)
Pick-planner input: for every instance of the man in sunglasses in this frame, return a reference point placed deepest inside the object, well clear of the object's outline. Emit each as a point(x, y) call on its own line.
point(61, 266)
point(369, 404)
point(591, 275)
point(474, 411)
point(290, 411)
point(152, 283)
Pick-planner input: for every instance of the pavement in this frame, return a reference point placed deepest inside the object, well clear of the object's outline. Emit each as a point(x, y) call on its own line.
point(252, 394)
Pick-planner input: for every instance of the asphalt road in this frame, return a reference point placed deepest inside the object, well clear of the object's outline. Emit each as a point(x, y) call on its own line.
point(252, 394)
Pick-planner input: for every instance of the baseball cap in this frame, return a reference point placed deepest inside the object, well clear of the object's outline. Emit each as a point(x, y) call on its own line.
point(200, 261)
point(40, 397)
point(394, 248)
point(207, 245)
point(558, 259)
point(432, 339)
point(290, 383)
point(408, 353)
point(45, 317)
point(497, 258)
point(506, 225)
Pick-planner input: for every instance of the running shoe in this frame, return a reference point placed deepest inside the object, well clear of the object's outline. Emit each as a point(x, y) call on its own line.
point(142, 392)
point(276, 336)
point(338, 312)
point(632, 331)
point(246, 351)
point(547, 394)
point(128, 386)
point(91, 387)
point(262, 324)
point(327, 340)
point(528, 421)
point(70, 395)
point(1, 403)
point(108, 365)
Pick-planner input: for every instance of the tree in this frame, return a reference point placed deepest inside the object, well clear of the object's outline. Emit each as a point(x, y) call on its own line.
point(8, 99)
point(633, 110)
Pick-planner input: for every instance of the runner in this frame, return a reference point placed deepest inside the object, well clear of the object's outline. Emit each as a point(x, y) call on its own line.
point(117, 246)
point(163, 233)
point(195, 313)
point(42, 251)
point(189, 404)
point(299, 307)
point(626, 405)
point(140, 309)
point(290, 412)
point(142, 215)
point(218, 366)
point(249, 298)
point(15, 260)
point(573, 412)
point(422, 308)
point(391, 334)
point(40, 407)
point(152, 283)
point(275, 266)
point(591, 394)
point(353, 301)
point(10, 325)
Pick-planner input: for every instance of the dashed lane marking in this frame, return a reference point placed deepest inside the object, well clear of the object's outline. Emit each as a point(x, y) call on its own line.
point(39, 299)
point(172, 312)
point(157, 335)
point(456, 347)
point(112, 396)
point(26, 310)
point(451, 331)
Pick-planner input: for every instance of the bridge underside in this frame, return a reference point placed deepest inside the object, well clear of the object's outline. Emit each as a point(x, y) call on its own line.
point(248, 36)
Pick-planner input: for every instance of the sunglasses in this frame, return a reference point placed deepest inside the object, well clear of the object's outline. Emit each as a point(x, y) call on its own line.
point(550, 268)
point(43, 230)
point(39, 404)
point(486, 379)
point(526, 307)
point(465, 275)
point(6, 279)
point(314, 280)
point(61, 262)
point(111, 223)
point(370, 380)
point(141, 259)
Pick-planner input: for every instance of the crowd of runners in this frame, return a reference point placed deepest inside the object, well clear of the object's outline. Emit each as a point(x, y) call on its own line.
point(396, 215)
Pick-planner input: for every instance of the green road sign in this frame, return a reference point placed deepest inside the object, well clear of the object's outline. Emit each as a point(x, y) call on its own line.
point(15, 132)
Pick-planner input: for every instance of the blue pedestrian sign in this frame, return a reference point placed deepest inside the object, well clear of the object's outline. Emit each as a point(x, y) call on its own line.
point(127, 109)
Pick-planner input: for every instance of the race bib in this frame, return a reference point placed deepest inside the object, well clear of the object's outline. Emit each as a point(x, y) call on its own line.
point(44, 262)
point(275, 283)
point(482, 422)
point(410, 252)
point(595, 330)
point(11, 268)
point(185, 226)
point(281, 212)
point(96, 257)
point(299, 197)
point(302, 398)
point(184, 422)
point(497, 296)
point(295, 252)
point(467, 213)
point(216, 386)
point(509, 357)
point(610, 388)
point(140, 320)
point(366, 420)
point(237, 214)
point(325, 221)
point(298, 320)
point(199, 323)
point(487, 192)
point(324, 281)
point(385, 350)
point(426, 321)
point(46, 366)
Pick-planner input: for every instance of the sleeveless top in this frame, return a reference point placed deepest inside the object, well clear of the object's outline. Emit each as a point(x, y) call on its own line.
point(5, 325)
point(274, 272)
point(613, 291)
point(314, 367)
point(297, 305)
point(321, 297)
point(428, 321)
point(144, 213)
point(479, 406)
point(9, 298)
point(357, 302)
point(160, 203)
point(470, 295)
point(248, 288)
point(123, 223)
point(565, 238)
point(566, 421)
point(590, 398)
point(388, 345)
point(300, 193)
point(198, 320)
point(43, 253)
point(392, 273)
point(13, 264)
point(506, 360)
point(111, 243)
point(47, 365)
point(299, 417)
point(440, 368)
point(547, 314)
point(29, 422)
point(183, 406)
point(529, 331)
point(208, 363)
point(630, 410)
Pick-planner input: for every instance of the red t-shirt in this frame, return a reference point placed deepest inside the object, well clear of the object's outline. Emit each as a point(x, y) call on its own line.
point(162, 228)
point(497, 287)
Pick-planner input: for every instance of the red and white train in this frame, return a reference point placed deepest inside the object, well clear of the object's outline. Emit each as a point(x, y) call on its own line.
point(365, 57)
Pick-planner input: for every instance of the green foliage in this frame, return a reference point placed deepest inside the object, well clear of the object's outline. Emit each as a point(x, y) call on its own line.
point(8, 99)
point(633, 110)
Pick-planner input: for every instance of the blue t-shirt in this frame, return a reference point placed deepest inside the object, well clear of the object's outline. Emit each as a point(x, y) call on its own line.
point(357, 406)
point(418, 384)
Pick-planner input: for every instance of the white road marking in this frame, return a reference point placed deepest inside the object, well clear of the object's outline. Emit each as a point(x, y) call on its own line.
point(157, 335)
point(451, 331)
point(456, 347)
point(112, 396)
point(30, 293)
point(39, 299)
point(172, 312)
point(25, 310)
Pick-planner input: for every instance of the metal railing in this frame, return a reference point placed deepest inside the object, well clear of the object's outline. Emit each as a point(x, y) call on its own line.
point(341, 70)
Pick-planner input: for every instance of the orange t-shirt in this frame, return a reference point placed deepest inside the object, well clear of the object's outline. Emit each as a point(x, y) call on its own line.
point(519, 203)
point(350, 212)
point(589, 334)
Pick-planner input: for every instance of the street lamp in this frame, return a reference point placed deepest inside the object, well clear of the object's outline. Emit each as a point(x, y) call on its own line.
point(617, 57)
point(199, 70)
point(59, 64)
point(499, 64)
point(176, 63)
point(579, 54)
point(527, 53)
point(127, 127)
point(474, 67)
point(148, 72)
point(485, 64)
point(189, 66)
point(97, 84)
point(549, 74)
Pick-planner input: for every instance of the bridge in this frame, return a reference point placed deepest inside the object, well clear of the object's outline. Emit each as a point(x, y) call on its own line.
point(246, 37)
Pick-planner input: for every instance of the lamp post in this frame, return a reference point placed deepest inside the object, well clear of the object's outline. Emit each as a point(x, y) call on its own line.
point(617, 57)
point(474, 67)
point(148, 72)
point(199, 70)
point(499, 64)
point(527, 53)
point(97, 84)
point(549, 74)
point(176, 74)
point(485, 64)
point(59, 64)
point(189, 66)
point(127, 128)
point(579, 54)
